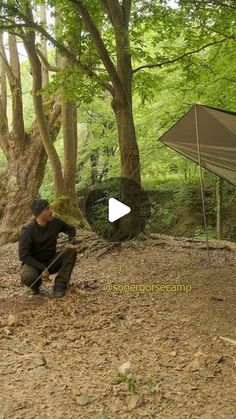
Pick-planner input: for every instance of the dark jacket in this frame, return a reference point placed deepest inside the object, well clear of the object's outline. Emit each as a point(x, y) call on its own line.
point(37, 244)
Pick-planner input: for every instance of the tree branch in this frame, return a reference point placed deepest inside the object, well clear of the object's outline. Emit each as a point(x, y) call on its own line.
point(126, 5)
point(115, 11)
point(84, 69)
point(211, 3)
point(174, 60)
point(106, 9)
point(13, 26)
point(38, 28)
point(35, 63)
point(99, 44)
point(55, 113)
point(213, 30)
point(45, 62)
point(6, 65)
point(43, 21)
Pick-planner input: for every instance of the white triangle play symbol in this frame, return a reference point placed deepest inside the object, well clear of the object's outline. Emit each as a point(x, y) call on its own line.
point(117, 209)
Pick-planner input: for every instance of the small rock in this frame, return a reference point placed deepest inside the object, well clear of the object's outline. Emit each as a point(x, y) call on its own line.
point(12, 320)
point(206, 373)
point(7, 331)
point(139, 321)
point(83, 400)
point(100, 361)
point(39, 360)
point(173, 353)
point(127, 366)
point(199, 354)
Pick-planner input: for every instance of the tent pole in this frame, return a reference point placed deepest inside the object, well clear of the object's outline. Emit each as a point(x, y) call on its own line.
point(201, 183)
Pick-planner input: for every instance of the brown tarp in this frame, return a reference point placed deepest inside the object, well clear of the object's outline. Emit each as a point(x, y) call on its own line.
point(215, 143)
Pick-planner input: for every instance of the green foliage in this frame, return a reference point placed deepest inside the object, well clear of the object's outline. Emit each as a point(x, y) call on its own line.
point(73, 85)
point(129, 381)
point(151, 384)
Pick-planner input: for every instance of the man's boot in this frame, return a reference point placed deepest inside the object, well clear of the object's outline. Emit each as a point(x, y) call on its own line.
point(65, 267)
point(59, 291)
point(35, 289)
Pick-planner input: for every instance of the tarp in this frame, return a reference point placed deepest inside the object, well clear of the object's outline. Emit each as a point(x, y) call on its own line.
point(210, 133)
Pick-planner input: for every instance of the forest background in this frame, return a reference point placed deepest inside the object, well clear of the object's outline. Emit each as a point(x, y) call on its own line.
point(182, 53)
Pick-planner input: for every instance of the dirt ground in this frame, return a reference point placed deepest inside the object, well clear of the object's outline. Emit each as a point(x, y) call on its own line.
point(122, 354)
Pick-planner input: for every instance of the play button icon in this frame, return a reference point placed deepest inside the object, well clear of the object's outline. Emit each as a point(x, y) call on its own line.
point(117, 209)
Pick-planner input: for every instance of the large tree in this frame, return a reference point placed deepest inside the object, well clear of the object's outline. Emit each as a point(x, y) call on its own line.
point(23, 150)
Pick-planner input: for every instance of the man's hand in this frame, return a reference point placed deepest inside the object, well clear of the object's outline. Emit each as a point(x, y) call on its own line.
point(71, 246)
point(45, 274)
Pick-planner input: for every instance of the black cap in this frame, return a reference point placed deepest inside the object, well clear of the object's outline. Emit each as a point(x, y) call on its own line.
point(38, 206)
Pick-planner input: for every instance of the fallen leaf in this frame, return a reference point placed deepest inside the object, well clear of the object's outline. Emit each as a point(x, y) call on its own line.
point(193, 366)
point(133, 401)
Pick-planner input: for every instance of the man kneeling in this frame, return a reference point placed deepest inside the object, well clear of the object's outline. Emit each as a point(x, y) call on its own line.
point(37, 250)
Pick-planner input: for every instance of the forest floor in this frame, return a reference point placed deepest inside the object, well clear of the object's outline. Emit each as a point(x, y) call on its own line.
point(99, 354)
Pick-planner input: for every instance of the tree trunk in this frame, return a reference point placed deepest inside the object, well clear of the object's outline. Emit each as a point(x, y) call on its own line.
point(121, 90)
point(70, 140)
point(24, 178)
point(69, 130)
point(129, 152)
point(130, 170)
point(53, 157)
point(24, 152)
point(94, 159)
point(18, 131)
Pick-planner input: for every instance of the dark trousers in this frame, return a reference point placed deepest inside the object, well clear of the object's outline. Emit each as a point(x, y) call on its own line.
point(63, 267)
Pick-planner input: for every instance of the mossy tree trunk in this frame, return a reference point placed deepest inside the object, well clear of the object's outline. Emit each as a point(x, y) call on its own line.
point(65, 204)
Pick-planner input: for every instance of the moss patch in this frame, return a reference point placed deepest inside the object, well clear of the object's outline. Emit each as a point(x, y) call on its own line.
point(67, 210)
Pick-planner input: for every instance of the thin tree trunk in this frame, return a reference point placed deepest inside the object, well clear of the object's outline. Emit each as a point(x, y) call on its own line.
point(43, 18)
point(4, 132)
point(41, 118)
point(3, 80)
point(69, 123)
point(18, 130)
point(70, 140)
point(94, 159)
